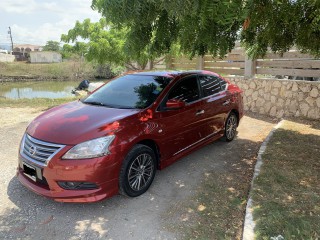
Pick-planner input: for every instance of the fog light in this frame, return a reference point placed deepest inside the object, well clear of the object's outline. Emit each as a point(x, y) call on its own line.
point(78, 185)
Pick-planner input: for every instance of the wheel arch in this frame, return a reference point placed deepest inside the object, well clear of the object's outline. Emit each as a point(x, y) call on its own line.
point(236, 112)
point(154, 146)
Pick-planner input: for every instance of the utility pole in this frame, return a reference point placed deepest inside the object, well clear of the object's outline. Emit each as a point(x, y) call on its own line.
point(9, 32)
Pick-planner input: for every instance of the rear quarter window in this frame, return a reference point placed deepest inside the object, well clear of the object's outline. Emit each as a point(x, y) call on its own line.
point(210, 85)
point(223, 84)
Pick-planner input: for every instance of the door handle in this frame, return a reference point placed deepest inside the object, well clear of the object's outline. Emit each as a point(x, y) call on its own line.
point(226, 102)
point(199, 112)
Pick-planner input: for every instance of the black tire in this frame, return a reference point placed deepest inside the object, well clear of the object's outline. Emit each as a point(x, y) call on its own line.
point(137, 171)
point(230, 128)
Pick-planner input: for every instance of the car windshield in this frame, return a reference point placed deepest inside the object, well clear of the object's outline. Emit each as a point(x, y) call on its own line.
point(130, 91)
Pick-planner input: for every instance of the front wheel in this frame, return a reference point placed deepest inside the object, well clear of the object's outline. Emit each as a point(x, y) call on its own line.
point(231, 127)
point(137, 171)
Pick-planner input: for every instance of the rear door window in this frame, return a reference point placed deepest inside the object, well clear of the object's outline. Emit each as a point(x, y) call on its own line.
point(186, 90)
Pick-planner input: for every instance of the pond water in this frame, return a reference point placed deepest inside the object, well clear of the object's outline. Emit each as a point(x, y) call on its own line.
point(47, 89)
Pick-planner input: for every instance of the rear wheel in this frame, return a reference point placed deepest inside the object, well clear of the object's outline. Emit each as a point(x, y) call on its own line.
point(137, 171)
point(231, 127)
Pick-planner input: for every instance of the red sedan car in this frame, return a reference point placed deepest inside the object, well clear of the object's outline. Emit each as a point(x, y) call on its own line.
point(114, 140)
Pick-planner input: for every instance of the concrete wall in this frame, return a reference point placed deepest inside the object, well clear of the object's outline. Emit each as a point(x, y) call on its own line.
point(45, 57)
point(280, 98)
point(6, 57)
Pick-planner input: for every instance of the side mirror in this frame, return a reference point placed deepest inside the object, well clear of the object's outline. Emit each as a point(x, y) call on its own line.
point(175, 104)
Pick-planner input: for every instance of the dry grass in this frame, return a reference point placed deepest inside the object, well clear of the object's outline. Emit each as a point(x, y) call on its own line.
point(286, 195)
point(46, 70)
point(12, 116)
point(37, 103)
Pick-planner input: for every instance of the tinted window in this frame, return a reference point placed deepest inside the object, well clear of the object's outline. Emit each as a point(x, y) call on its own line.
point(186, 90)
point(210, 85)
point(130, 91)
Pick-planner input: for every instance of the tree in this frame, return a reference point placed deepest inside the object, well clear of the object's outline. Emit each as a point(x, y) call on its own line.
point(212, 26)
point(198, 26)
point(52, 46)
point(106, 44)
point(280, 25)
point(77, 50)
point(67, 51)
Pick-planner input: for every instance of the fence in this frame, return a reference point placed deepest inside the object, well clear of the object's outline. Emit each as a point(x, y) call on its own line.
point(273, 97)
point(6, 57)
point(280, 97)
point(292, 64)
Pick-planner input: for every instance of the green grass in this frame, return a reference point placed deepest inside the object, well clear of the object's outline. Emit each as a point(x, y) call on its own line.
point(40, 103)
point(286, 194)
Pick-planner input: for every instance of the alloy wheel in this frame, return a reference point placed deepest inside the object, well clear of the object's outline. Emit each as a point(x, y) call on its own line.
point(231, 127)
point(140, 172)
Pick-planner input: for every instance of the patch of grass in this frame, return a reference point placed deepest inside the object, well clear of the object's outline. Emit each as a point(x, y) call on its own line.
point(46, 70)
point(286, 194)
point(39, 103)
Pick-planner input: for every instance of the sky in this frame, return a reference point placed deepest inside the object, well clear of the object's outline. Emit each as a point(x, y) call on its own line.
point(39, 21)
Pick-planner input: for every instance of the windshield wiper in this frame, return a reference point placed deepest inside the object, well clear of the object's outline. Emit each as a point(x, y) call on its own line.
point(122, 107)
point(95, 103)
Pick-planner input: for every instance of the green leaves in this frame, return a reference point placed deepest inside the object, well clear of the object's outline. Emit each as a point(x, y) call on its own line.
point(142, 30)
point(213, 26)
point(282, 24)
point(106, 44)
point(103, 44)
point(198, 26)
point(52, 46)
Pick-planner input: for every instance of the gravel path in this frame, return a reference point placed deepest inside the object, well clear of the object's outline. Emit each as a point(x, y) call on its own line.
point(25, 215)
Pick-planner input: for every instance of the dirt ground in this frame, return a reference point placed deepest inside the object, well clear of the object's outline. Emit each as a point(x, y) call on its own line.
point(25, 215)
point(13, 116)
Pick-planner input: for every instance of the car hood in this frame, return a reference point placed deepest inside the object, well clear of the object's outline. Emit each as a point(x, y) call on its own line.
point(76, 122)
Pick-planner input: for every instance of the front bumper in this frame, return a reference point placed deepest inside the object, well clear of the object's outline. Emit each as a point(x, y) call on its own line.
point(102, 171)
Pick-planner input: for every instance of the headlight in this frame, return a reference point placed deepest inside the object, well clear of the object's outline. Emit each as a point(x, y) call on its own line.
point(90, 149)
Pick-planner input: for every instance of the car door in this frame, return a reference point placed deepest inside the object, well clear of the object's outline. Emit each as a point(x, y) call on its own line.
point(180, 127)
point(216, 103)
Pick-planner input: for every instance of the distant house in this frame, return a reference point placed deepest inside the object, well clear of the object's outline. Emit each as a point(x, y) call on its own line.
point(4, 51)
point(21, 51)
point(45, 57)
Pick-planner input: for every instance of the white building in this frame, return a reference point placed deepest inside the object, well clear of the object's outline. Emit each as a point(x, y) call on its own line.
point(45, 57)
point(5, 56)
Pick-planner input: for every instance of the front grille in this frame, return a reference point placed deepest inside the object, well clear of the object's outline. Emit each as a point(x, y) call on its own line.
point(38, 151)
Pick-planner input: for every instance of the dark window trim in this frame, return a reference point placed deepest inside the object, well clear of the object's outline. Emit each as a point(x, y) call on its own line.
point(226, 86)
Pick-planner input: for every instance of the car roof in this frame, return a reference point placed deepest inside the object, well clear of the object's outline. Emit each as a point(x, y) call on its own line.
point(171, 73)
